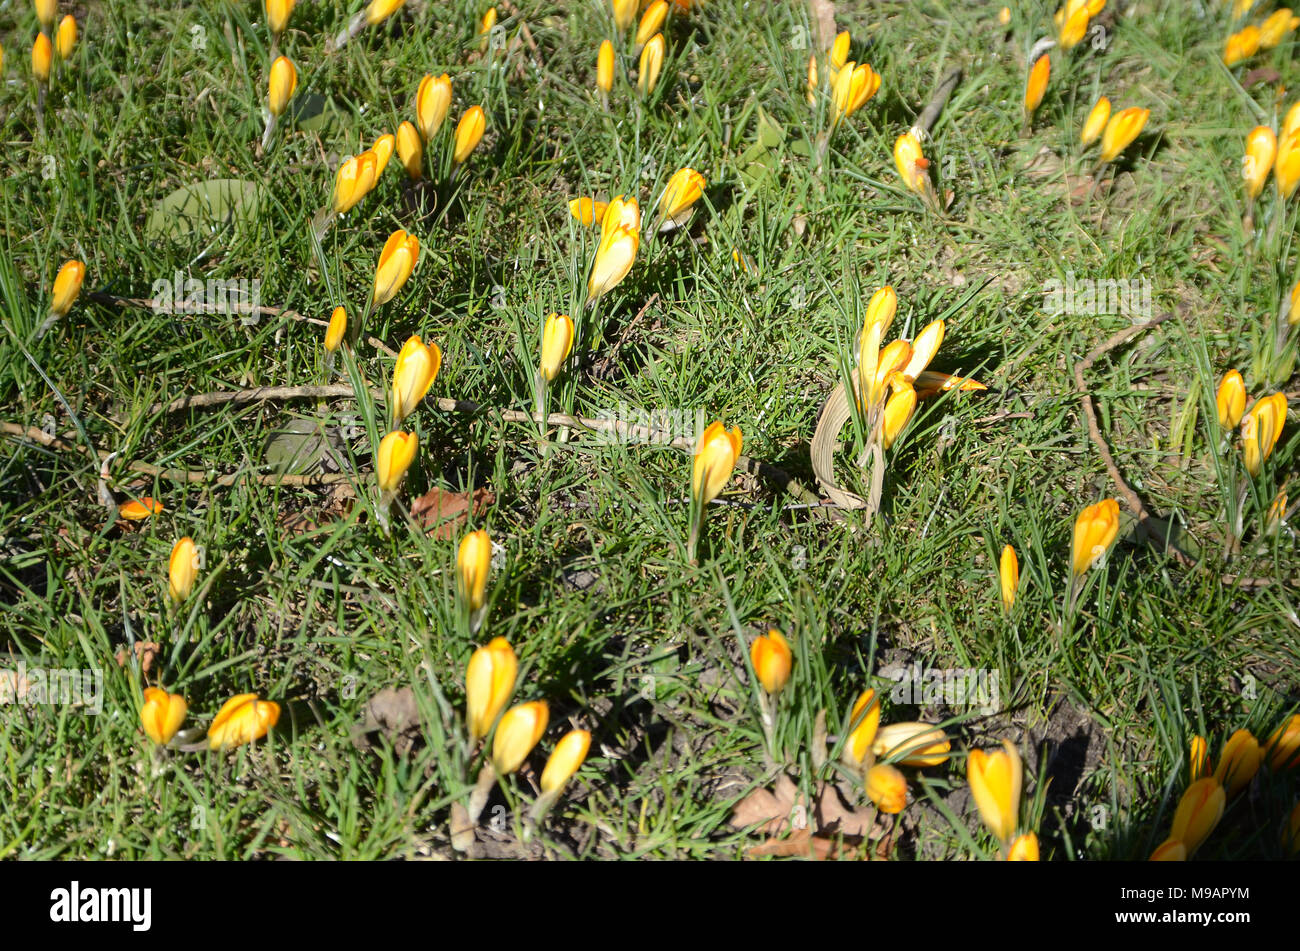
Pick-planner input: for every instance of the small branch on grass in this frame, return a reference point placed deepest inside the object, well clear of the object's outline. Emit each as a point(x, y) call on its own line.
point(938, 99)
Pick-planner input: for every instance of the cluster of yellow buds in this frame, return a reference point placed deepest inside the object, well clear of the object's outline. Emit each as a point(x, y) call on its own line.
point(1250, 39)
point(995, 783)
point(241, 719)
point(851, 84)
point(1211, 787)
point(1276, 152)
point(890, 379)
point(1072, 21)
point(648, 44)
point(909, 744)
point(489, 684)
point(1261, 425)
point(620, 239)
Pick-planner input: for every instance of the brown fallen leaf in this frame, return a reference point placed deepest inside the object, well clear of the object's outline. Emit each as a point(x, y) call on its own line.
point(1261, 74)
point(145, 651)
point(802, 843)
point(393, 711)
point(442, 513)
point(772, 808)
point(835, 816)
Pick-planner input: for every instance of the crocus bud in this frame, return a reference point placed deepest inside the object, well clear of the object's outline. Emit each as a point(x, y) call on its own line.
point(432, 103)
point(1274, 29)
point(772, 660)
point(1094, 531)
point(1283, 747)
point(396, 262)
point(891, 360)
point(624, 12)
point(380, 10)
point(1024, 848)
point(924, 347)
point(65, 40)
point(683, 191)
point(864, 721)
point(46, 11)
point(1009, 575)
point(1261, 428)
point(1198, 759)
point(284, 80)
point(410, 149)
point(1121, 130)
point(1286, 173)
point(605, 67)
point(473, 559)
point(396, 453)
point(469, 132)
point(138, 509)
point(898, 413)
point(854, 86)
point(277, 15)
point(557, 341)
point(383, 151)
point(414, 372)
point(355, 178)
point(1037, 84)
point(565, 759)
point(1238, 763)
point(621, 212)
point(1074, 28)
point(1261, 149)
point(995, 780)
point(812, 79)
point(1004, 16)
point(1241, 45)
point(338, 326)
point(652, 21)
point(1199, 811)
point(42, 53)
point(486, 25)
point(614, 257)
point(1170, 850)
point(912, 165)
point(652, 60)
point(162, 714)
point(489, 681)
point(517, 733)
point(887, 787)
point(715, 460)
point(1231, 399)
point(839, 54)
point(67, 287)
point(182, 569)
point(1096, 122)
point(917, 744)
point(882, 307)
point(588, 211)
point(242, 719)
point(1291, 122)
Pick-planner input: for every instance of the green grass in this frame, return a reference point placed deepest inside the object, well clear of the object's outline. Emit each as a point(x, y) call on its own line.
point(612, 625)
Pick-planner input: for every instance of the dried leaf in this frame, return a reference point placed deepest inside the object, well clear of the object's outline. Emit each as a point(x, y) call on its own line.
point(442, 513)
point(835, 816)
point(395, 712)
point(146, 653)
point(802, 843)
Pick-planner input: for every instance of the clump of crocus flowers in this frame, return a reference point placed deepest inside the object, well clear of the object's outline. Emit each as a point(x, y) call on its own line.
point(1212, 788)
point(866, 743)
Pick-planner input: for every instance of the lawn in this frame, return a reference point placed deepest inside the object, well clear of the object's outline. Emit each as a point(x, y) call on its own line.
point(1090, 311)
